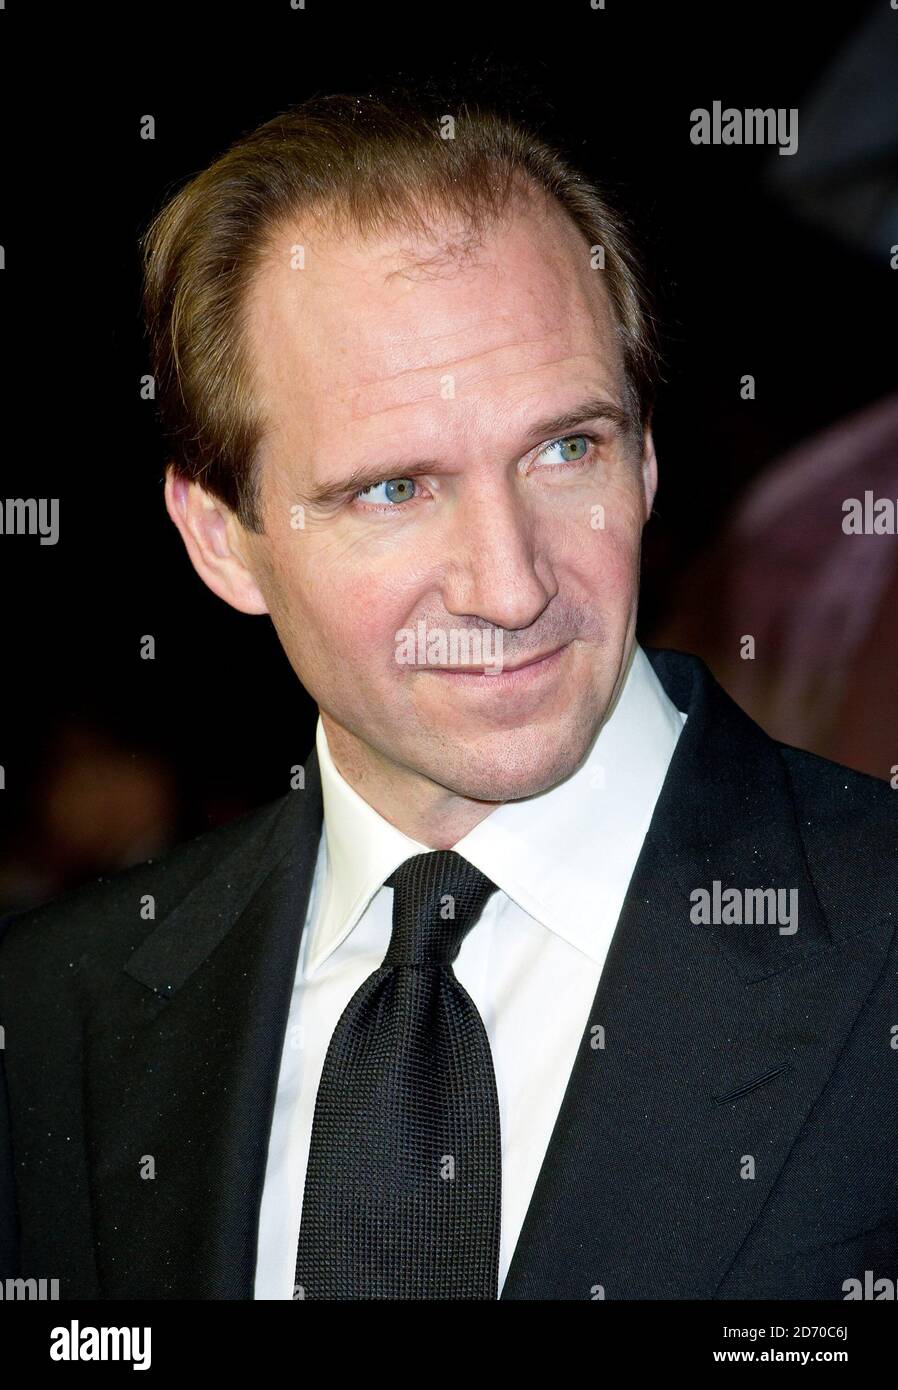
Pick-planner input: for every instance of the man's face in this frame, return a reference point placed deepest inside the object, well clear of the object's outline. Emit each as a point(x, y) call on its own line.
point(435, 385)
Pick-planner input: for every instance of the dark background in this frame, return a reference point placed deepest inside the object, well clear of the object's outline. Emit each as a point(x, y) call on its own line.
point(745, 284)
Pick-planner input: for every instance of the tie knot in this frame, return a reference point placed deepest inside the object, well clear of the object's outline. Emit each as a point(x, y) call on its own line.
point(438, 897)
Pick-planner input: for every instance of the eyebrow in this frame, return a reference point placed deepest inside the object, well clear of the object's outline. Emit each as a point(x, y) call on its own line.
point(595, 408)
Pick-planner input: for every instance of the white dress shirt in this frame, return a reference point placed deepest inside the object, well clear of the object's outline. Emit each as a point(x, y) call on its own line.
point(562, 861)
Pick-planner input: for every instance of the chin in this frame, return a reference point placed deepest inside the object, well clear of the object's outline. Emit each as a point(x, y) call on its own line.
point(525, 767)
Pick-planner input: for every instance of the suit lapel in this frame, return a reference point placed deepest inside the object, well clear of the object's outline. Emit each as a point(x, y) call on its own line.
point(717, 1038)
point(180, 1080)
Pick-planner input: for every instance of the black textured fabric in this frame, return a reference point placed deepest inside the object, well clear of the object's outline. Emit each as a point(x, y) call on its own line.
point(402, 1191)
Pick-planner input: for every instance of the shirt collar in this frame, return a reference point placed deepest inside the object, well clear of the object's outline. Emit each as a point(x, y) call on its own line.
point(565, 855)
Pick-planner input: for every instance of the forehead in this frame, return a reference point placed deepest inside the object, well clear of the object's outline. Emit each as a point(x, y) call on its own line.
point(372, 333)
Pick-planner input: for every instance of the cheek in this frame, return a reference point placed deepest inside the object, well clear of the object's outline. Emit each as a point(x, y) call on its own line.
point(354, 617)
point(605, 551)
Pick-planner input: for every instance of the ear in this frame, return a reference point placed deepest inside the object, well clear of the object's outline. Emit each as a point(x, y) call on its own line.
point(649, 471)
point(212, 535)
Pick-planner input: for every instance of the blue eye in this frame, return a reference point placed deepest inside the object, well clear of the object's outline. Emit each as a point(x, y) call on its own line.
point(571, 441)
point(397, 490)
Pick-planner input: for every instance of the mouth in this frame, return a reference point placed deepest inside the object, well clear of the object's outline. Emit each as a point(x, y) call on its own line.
point(528, 672)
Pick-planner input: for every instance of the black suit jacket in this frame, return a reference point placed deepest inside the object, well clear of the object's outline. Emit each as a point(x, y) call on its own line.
point(736, 1137)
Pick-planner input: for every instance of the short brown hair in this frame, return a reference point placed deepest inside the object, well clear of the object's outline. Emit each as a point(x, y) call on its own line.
point(371, 163)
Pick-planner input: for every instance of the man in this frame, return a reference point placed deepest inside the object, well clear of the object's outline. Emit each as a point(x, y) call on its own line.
point(552, 976)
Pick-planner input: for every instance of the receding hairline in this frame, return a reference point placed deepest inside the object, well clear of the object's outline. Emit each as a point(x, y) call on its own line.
point(426, 221)
point(444, 245)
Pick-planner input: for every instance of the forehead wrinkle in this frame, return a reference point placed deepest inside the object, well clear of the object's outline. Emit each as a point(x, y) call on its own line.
point(361, 407)
point(470, 436)
point(418, 339)
point(516, 413)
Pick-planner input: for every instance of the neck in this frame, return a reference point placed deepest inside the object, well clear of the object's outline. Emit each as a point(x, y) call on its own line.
point(423, 810)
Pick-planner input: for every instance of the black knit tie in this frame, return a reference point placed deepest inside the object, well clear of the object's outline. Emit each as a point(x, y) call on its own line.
point(402, 1191)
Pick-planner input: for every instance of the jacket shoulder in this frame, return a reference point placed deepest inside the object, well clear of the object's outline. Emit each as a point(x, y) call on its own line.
point(848, 822)
point(81, 918)
point(838, 798)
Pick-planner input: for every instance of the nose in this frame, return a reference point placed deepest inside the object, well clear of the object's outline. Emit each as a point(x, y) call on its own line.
point(493, 572)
